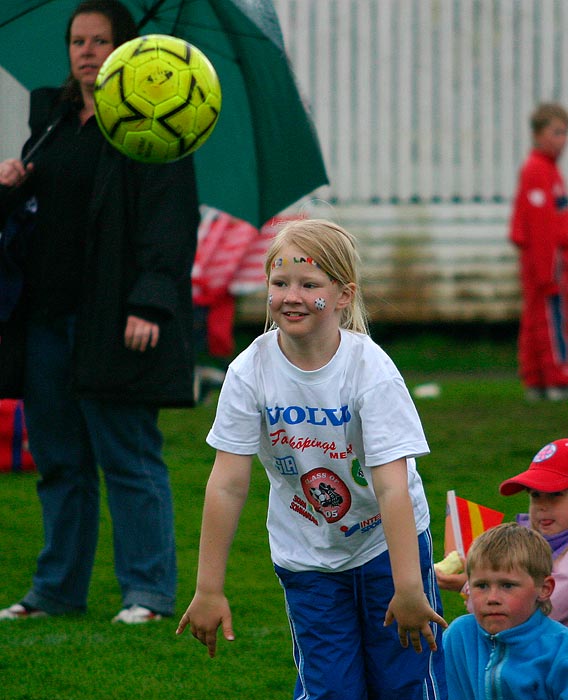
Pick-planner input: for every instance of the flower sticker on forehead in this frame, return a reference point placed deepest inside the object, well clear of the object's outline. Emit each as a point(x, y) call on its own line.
point(279, 262)
point(308, 260)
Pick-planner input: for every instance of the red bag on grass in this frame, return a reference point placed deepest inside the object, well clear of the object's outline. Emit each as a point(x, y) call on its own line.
point(15, 455)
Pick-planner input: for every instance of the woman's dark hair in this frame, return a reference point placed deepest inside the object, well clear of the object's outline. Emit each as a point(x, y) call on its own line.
point(123, 29)
point(121, 21)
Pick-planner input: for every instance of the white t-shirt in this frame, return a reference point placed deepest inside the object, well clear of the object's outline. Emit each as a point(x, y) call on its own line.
point(317, 434)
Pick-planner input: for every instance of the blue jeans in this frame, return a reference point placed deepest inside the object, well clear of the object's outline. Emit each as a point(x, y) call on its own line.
point(69, 439)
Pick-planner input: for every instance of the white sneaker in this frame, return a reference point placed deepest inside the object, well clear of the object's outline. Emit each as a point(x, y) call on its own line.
point(19, 612)
point(556, 393)
point(136, 615)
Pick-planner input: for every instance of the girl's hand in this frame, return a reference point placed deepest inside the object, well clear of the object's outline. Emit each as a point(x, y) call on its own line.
point(413, 615)
point(205, 614)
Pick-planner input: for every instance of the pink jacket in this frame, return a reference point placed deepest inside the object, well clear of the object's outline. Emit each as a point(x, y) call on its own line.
point(559, 596)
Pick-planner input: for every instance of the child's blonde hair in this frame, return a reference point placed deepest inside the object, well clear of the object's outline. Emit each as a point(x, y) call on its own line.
point(510, 546)
point(335, 251)
point(545, 113)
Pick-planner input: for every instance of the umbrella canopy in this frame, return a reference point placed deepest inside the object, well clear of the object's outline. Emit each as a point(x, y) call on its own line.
point(263, 154)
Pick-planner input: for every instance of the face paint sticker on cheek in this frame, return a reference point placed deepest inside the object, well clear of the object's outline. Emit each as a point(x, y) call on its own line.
point(270, 300)
point(319, 303)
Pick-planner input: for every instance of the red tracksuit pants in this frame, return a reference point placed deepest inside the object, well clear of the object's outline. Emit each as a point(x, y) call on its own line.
point(543, 341)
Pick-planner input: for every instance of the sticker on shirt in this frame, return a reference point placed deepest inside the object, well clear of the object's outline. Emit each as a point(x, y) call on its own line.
point(363, 526)
point(358, 474)
point(327, 493)
point(300, 506)
point(536, 197)
point(286, 465)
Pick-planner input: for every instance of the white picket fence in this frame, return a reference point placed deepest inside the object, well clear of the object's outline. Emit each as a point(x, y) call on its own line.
point(422, 109)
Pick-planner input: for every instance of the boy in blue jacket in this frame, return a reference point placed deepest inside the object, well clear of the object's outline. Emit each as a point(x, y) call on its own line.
point(508, 648)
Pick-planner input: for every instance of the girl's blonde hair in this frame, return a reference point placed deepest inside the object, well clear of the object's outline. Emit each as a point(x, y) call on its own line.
point(510, 546)
point(335, 251)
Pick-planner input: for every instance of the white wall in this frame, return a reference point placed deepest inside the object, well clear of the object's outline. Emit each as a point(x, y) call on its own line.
point(13, 116)
point(426, 100)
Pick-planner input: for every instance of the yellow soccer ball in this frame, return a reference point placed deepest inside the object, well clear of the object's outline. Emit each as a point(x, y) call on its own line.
point(157, 98)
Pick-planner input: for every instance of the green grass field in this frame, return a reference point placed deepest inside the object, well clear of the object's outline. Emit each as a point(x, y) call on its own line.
point(480, 431)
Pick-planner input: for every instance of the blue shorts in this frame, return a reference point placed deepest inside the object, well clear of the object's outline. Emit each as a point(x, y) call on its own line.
point(342, 650)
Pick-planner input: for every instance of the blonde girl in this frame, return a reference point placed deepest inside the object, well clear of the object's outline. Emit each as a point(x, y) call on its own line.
point(333, 425)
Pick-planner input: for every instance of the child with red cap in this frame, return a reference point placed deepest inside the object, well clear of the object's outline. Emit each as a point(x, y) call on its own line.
point(546, 481)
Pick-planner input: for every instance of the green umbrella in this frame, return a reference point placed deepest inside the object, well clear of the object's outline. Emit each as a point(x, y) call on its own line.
point(263, 154)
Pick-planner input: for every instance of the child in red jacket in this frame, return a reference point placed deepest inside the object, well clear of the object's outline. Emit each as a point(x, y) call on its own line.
point(539, 228)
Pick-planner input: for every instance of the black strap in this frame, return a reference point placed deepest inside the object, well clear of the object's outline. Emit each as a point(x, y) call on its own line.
point(42, 139)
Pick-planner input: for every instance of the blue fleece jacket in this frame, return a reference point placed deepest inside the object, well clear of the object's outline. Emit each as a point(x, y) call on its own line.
point(529, 661)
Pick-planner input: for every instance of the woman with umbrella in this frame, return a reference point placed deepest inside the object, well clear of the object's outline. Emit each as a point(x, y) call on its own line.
point(106, 307)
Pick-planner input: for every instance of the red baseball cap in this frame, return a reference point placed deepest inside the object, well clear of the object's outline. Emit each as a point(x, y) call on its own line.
point(548, 471)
